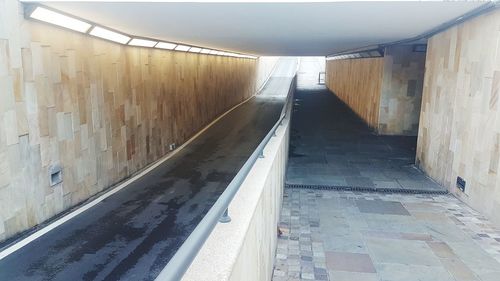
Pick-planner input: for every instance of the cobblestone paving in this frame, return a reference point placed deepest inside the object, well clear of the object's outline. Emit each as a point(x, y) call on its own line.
point(356, 236)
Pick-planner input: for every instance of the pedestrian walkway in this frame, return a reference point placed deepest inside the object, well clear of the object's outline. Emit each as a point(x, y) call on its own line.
point(332, 147)
point(355, 236)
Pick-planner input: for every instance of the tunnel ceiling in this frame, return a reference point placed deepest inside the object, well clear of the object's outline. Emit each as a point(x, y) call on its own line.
point(293, 29)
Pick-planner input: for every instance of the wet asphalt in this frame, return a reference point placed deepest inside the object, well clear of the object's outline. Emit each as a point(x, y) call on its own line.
point(132, 234)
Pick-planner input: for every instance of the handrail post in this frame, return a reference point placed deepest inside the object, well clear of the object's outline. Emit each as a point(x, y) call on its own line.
point(261, 154)
point(225, 218)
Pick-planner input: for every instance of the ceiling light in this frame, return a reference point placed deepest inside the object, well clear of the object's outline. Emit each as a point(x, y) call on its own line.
point(420, 48)
point(182, 48)
point(213, 52)
point(166, 46)
point(142, 42)
point(205, 51)
point(55, 18)
point(109, 35)
point(194, 50)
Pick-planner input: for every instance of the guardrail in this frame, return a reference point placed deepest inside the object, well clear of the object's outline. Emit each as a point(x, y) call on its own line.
point(180, 262)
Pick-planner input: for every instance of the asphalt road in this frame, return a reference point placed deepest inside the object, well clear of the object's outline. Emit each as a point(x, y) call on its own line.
point(132, 234)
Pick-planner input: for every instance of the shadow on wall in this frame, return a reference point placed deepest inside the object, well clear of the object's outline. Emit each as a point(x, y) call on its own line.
point(386, 91)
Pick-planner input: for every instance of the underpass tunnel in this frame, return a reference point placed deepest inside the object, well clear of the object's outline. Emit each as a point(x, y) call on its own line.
point(249, 140)
point(364, 135)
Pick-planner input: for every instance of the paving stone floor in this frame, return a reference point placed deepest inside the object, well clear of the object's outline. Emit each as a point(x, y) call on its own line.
point(355, 236)
point(331, 146)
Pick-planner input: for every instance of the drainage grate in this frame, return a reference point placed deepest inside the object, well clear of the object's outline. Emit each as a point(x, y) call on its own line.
point(366, 189)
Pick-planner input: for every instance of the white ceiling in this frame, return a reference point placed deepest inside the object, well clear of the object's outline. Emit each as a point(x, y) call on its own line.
point(294, 29)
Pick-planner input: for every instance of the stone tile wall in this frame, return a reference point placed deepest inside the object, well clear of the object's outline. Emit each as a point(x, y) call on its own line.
point(459, 132)
point(357, 82)
point(100, 110)
point(401, 95)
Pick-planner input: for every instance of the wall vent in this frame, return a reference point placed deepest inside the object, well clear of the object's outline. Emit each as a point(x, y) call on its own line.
point(461, 184)
point(55, 174)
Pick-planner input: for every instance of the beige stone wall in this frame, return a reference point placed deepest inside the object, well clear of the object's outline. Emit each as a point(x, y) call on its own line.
point(101, 110)
point(401, 95)
point(385, 92)
point(459, 132)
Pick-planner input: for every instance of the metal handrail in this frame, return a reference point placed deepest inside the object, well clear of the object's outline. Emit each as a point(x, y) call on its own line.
point(185, 255)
